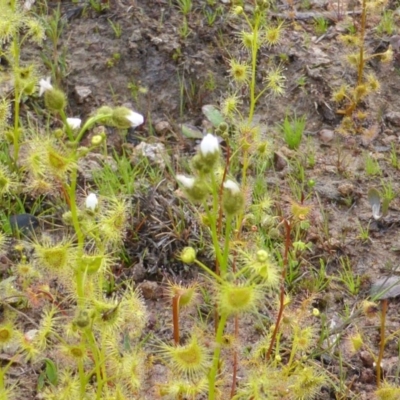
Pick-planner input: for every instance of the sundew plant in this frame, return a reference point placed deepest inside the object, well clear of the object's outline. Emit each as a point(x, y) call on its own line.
point(84, 330)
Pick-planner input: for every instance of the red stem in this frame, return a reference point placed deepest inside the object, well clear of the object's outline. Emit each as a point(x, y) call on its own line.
point(175, 317)
point(282, 292)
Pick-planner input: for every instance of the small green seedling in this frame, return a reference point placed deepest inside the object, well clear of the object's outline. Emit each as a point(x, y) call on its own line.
point(292, 129)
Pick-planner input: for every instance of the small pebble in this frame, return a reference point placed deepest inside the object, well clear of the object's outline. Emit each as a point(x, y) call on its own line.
point(23, 223)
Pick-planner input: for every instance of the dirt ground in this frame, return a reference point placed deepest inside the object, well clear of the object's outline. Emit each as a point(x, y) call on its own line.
point(181, 75)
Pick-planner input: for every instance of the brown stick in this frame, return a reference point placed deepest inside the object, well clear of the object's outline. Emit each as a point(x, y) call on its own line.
point(384, 305)
point(235, 359)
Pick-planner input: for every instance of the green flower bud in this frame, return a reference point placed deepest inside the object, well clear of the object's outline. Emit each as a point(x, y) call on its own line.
point(105, 110)
point(233, 199)
point(311, 183)
point(196, 189)
point(262, 256)
point(124, 118)
point(82, 151)
point(82, 320)
point(238, 10)
point(67, 218)
point(97, 139)
point(58, 133)
point(188, 255)
point(55, 99)
point(222, 128)
point(201, 165)
point(315, 312)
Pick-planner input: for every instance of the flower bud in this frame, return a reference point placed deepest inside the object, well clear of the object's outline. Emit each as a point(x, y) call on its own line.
point(58, 133)
point(238, 10)
point(105, 110)
point(82, 320)
point(201, 165)
point(233, 199)
point(262, 256)
point(82, 151)
point(195, 189)
point(222, 128)
point(55, 100)
point(188, 255)
point(97, 139)
point(124, 118)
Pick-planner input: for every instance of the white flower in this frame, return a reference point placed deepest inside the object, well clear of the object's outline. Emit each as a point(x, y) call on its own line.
point(209, 145)
point(74, 123)
point(44, 85)
point(91, 201)
point(135, 119)
point(28, 4)
point(186, 181)
point(232, 186)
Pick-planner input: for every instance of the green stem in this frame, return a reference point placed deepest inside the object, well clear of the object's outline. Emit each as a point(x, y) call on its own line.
point(78, 231)
point(67, 127)
point(89, 123)
point(362, 38)
point(214, 234)
point(101, 378)
point(16, 136)
point(228, 229)
point(208, 270)
point(212, 377)
point(82, 379)
point(254, 51)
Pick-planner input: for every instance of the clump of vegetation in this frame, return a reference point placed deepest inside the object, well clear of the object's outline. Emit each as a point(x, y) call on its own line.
point(292, 130)
point(350, 96)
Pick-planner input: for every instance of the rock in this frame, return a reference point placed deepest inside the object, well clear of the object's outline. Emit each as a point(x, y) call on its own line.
point(367, 376)
point(328, 191)
point(155, 152)
point(94, 162)
point(162, 127)
point(386, 288)
point(346, 189)
point(393, 118)
point(138, 271)
point(326, 135)
point(366, 359)
point(389, 139)
point(290, 154)
point(23, 223)
point(150, 290)
point(82, 93)
point(280, 161)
